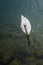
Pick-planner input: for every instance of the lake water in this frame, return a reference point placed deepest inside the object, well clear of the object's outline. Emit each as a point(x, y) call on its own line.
point(10, 15)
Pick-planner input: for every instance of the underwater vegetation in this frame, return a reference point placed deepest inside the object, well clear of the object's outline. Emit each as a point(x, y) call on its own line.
point(15, 51)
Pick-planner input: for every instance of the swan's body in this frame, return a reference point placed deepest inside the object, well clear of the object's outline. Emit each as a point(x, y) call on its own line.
point(25, 25)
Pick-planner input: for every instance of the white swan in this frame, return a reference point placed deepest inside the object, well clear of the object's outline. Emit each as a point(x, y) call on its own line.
point(25, 25)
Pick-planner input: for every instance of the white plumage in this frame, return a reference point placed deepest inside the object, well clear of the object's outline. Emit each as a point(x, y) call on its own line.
point(25, 22)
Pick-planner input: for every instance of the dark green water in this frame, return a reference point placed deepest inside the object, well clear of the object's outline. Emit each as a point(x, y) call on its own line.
point(14, 49)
